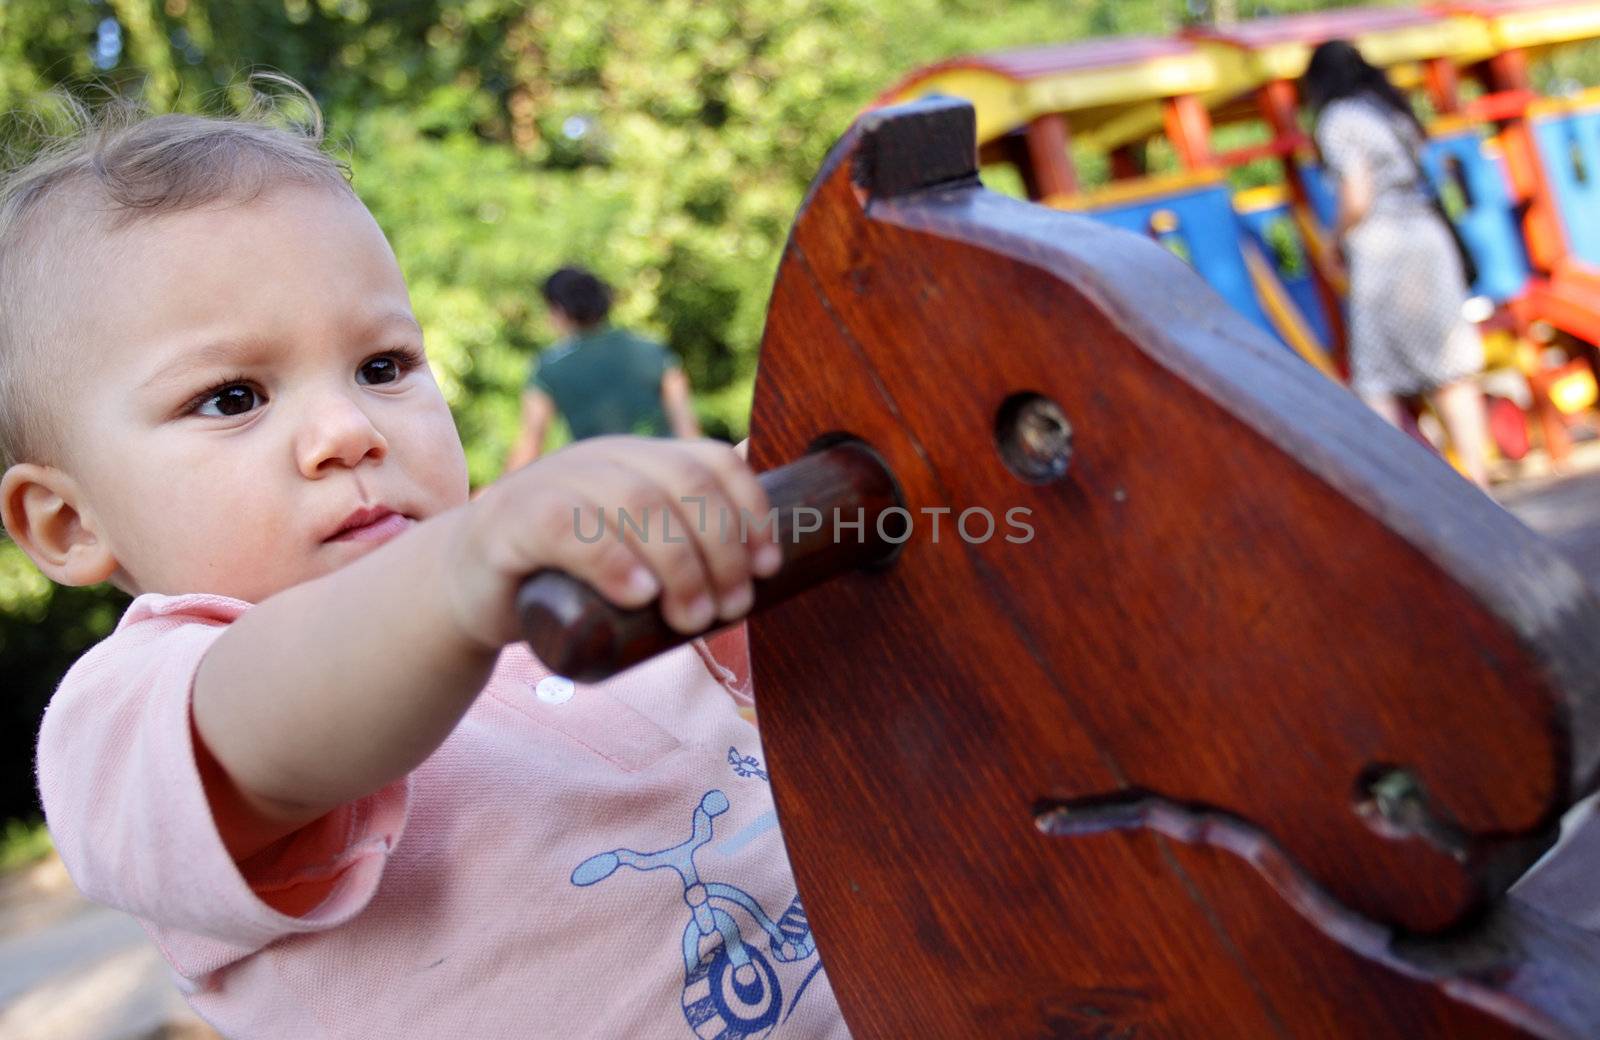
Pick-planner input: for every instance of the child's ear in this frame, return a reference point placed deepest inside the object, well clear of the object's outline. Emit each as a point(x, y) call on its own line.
point(43, 512)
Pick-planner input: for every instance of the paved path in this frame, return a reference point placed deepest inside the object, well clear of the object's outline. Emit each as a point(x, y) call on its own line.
point(1565, 510)
point(70, 970)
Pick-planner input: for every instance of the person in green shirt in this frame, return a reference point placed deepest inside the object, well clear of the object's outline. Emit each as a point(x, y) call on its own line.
point(601, 379)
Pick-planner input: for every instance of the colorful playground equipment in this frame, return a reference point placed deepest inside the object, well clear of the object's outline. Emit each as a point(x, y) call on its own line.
point(1198, 141)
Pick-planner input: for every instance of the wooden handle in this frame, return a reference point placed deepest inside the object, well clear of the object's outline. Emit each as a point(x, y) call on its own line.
point(835, 511)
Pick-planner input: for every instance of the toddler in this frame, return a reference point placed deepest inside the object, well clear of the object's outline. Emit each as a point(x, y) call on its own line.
point(313, 758)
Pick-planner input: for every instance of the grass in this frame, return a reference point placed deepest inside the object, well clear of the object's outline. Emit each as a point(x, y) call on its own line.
point(24, 842)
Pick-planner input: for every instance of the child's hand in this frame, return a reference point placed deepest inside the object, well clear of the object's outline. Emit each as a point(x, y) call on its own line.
point(548, 515)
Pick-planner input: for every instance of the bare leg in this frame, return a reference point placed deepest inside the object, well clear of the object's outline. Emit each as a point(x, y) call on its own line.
point(1386, 405)
point(1460, 408)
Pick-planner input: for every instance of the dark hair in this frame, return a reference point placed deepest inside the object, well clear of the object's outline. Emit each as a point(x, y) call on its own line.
point(1337, 70)
point(581, 296)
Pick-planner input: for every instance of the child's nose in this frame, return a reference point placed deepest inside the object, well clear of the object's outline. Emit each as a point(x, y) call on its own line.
point(337, 435)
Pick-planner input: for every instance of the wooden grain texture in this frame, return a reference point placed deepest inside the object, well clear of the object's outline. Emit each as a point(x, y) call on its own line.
point(1246, 593)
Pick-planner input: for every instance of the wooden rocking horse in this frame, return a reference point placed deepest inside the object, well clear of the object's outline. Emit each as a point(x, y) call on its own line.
point(1248, 735)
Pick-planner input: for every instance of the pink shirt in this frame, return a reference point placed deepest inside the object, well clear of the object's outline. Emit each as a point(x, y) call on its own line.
point(574, 861)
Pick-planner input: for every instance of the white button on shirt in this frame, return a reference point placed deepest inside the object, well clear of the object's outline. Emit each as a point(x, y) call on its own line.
point(555, 689)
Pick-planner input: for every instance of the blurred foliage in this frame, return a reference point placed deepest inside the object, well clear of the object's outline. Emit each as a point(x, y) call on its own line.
point(1568, 70)
point(23, 842)
point(665, 143)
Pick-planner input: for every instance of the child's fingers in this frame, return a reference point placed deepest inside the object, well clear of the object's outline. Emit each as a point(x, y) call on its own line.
point(560, 526)
point(701, 513)
point(750, 521)
point(636, 516)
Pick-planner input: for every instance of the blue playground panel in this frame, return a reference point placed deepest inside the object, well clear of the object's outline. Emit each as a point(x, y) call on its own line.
point(1569, 149)
point(1207, 230)
point(1324, 203)
point(1298, 281)
point(1488, 224)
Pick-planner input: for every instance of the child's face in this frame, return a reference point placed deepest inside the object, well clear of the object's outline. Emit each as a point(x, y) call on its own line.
point(253, 384)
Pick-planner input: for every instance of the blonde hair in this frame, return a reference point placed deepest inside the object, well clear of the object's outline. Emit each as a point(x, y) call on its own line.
point(137, 166)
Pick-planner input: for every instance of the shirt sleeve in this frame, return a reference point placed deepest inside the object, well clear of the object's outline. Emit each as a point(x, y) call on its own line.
point(129, 815)
point(726, 656)
point(1344, 138)
point(537, 380)
point(541, 375)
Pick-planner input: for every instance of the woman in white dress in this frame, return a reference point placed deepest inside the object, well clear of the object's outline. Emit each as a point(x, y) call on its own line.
point(1407, 287)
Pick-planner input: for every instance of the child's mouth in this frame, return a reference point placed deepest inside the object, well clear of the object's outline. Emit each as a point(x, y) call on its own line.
point(371, 525)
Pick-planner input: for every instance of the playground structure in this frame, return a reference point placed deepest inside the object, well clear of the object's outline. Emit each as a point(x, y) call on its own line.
point(1519, 172)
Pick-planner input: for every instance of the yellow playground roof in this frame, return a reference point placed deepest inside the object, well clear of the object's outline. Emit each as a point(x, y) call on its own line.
point(1112, 89)
point(1532, 23)
point(1094, 80)
point(1279, 47)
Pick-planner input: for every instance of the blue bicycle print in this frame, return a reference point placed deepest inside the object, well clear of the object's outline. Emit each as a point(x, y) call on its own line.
point(730, 989)
point(745, 765)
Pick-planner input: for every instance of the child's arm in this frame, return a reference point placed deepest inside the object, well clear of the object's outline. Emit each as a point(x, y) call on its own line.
point(329, 690)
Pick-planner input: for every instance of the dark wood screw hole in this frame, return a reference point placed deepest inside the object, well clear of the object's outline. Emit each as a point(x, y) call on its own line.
point(1034, 437)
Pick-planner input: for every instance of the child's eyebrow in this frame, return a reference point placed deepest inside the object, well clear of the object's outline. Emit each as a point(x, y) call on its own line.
point(214, 353)
point(396, 317)
point(237, 352)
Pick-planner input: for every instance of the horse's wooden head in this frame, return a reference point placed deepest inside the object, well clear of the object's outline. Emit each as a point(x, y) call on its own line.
point(1250, 617)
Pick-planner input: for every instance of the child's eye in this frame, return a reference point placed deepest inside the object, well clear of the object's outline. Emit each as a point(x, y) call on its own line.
point(385, 368)
point(233, 399)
